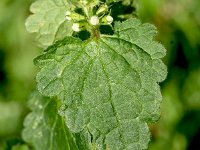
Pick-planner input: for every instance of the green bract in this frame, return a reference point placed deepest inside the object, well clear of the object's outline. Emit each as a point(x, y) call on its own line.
point(109, 85)
point(48, 21)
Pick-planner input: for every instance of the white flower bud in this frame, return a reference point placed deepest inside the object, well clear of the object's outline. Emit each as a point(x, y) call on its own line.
point(68, 18)
point(94, 20)
point(109, 19)
point(76, 27)
point(67, 13)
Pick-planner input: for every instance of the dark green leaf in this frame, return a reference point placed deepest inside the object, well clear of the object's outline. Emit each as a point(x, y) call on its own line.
point(109, 86)
point(44, 128)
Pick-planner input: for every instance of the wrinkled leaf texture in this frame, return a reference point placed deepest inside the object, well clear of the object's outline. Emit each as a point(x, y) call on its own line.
point(48, 22)
point(109, 86)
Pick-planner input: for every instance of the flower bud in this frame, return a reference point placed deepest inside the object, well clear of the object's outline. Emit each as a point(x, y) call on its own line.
point(109, 19)
point(94, 20)
point(68, 18)
point(67, 13)
point(76, 27)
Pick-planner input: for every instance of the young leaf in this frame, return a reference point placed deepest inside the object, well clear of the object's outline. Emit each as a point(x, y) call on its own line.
point(44, 128)
point(48, 21)
point(109, 85)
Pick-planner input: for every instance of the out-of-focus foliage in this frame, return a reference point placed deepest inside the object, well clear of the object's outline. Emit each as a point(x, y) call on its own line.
point(191, 90)
point(178, 23)
point(17, 71)
point(17, 51)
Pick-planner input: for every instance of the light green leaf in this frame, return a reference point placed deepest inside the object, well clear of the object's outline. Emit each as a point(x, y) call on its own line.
point(48, 21)
point(44, 128)
point(109, 86)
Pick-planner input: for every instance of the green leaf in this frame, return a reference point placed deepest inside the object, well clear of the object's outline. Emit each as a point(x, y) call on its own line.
point(109, 86)
point(44, 128)
point(48, 21)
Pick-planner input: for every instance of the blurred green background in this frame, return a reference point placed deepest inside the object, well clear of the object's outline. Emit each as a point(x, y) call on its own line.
point(178, 22)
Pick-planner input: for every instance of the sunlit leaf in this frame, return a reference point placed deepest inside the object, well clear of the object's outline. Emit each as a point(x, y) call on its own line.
point(48, 21)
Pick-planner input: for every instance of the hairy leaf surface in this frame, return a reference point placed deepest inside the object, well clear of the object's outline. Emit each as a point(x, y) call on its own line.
point(48, 21)
point(44, 128)
point(109, 86)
